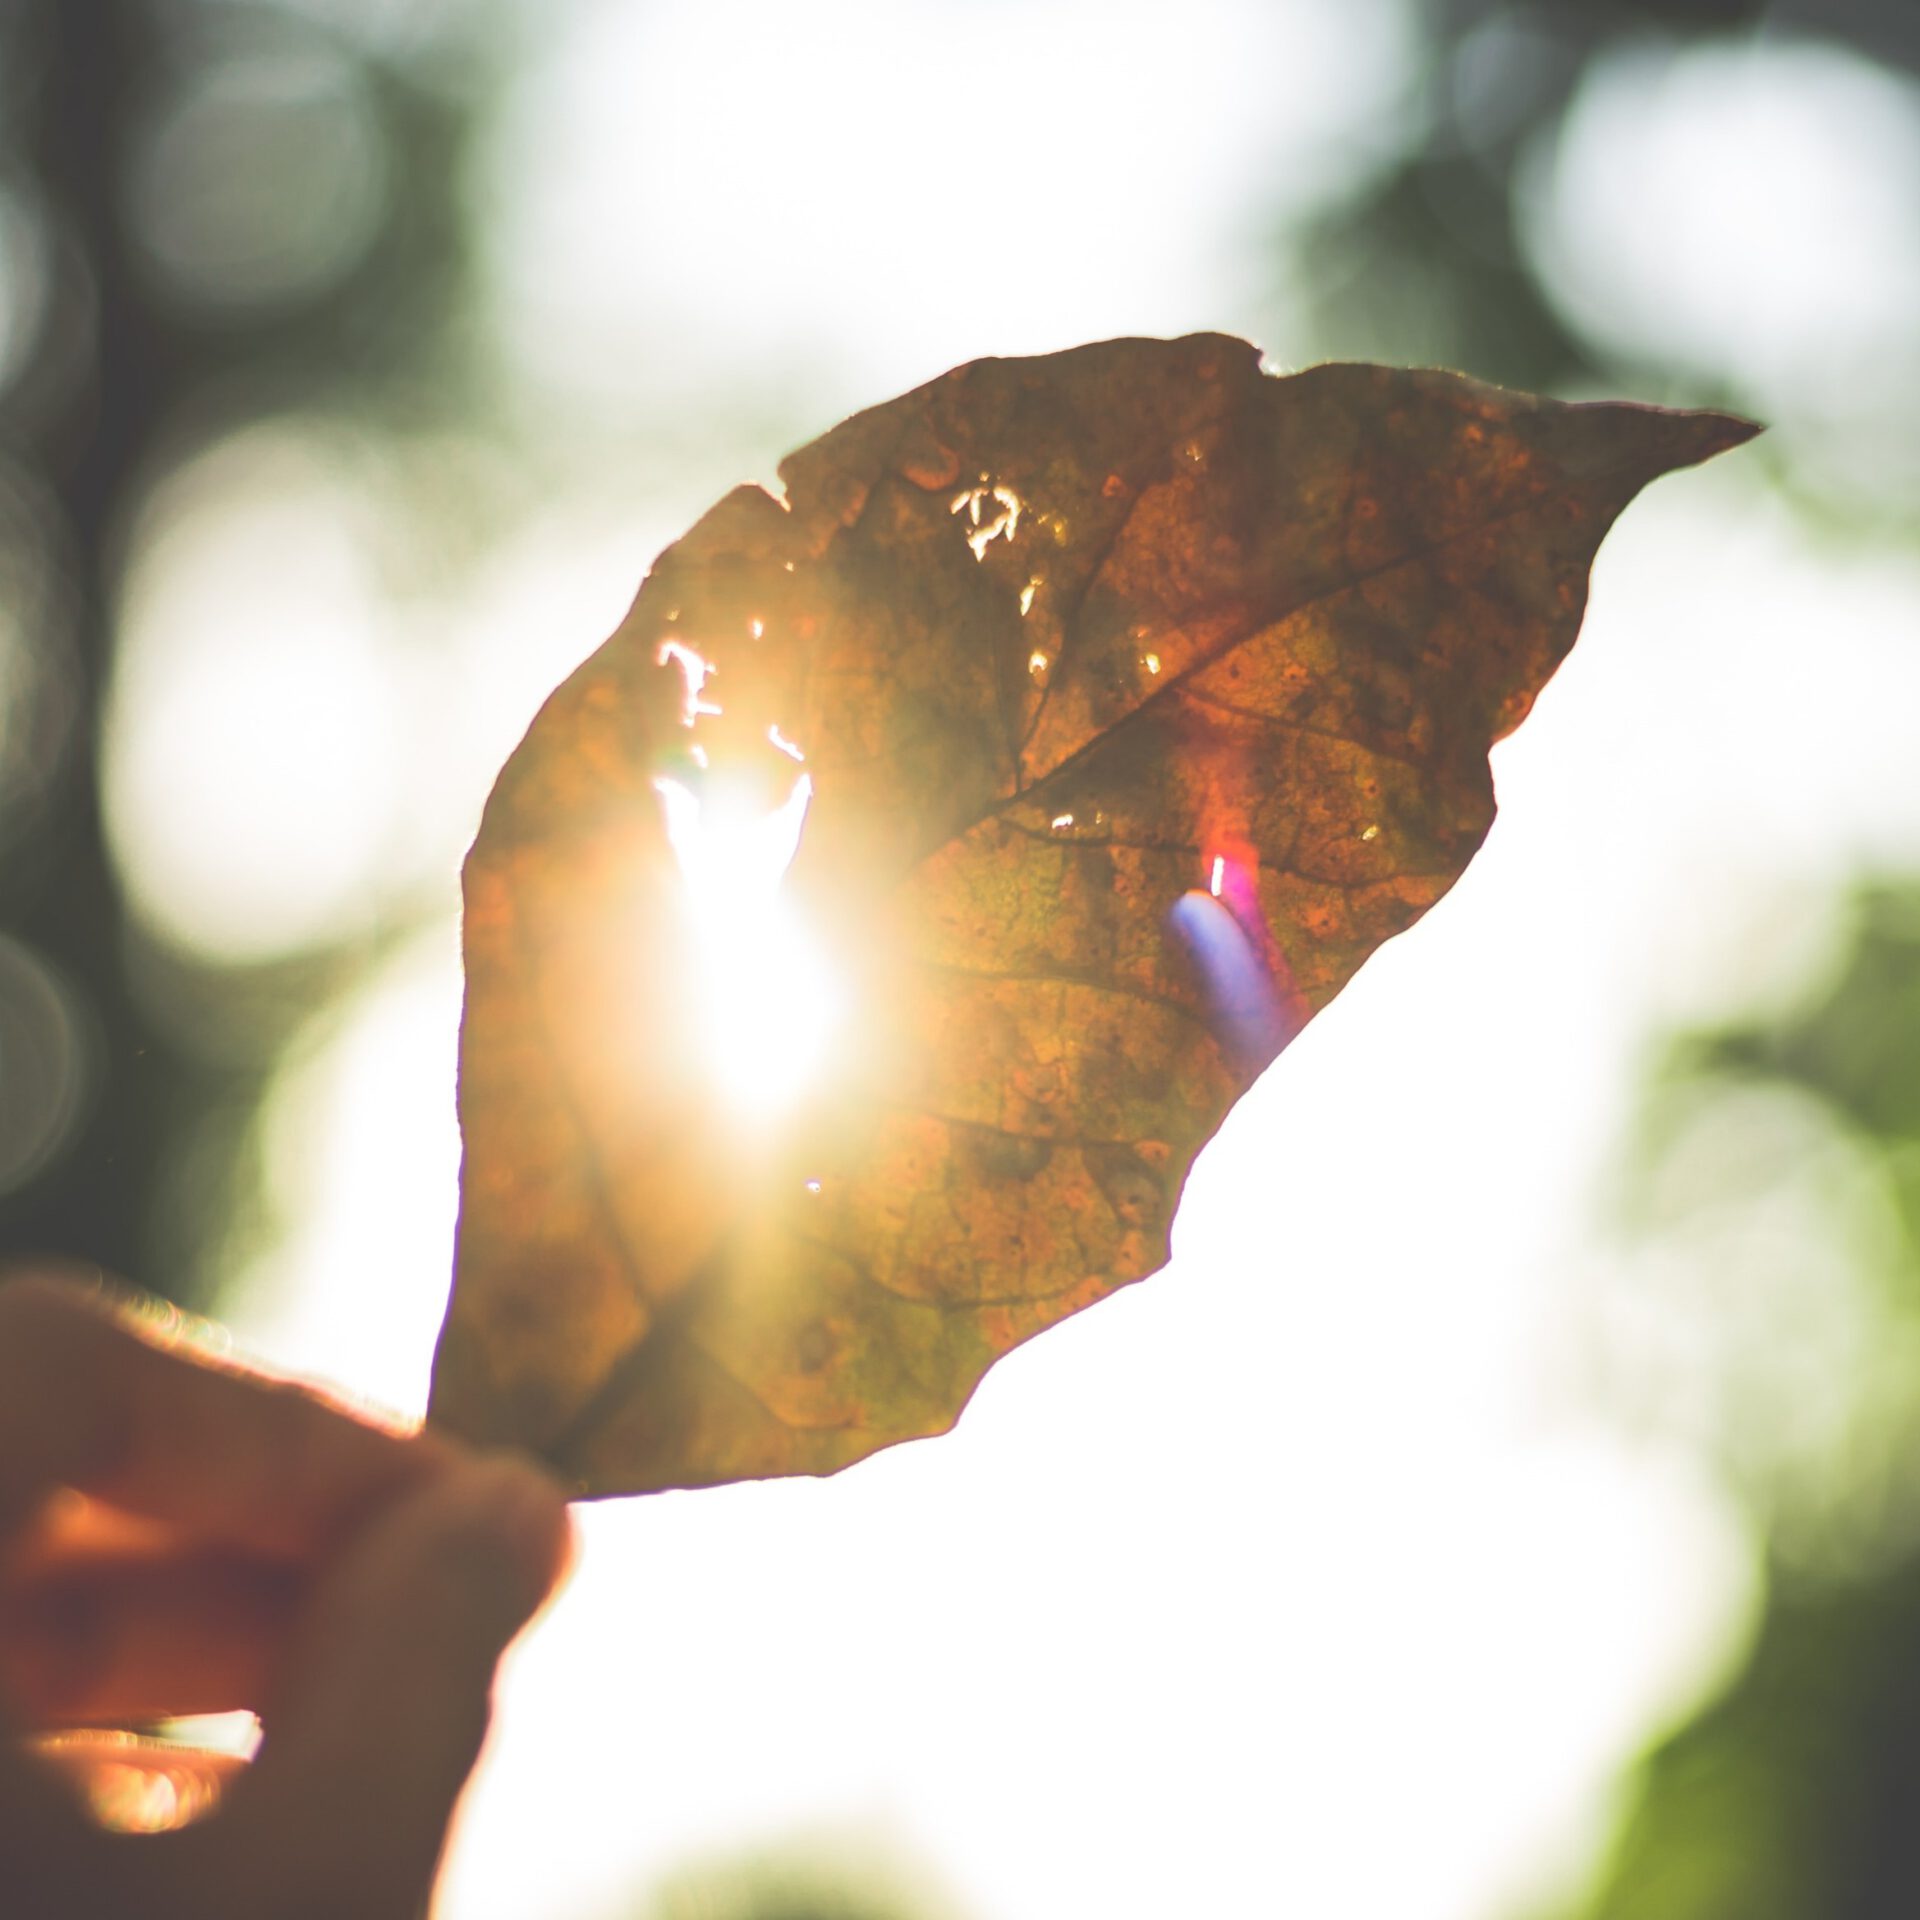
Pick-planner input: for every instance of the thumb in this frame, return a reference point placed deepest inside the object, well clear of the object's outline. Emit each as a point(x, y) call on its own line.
point(387, 1691)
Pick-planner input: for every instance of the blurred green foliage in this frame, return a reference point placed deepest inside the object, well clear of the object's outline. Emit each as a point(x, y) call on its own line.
point(1856, 1045)
point(1796, 1794)
point(832, 1883)
point(222, 211)
point(1793, 1796)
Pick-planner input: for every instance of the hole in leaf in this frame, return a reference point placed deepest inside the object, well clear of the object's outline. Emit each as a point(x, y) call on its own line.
point(694, 671)
point(994, 512)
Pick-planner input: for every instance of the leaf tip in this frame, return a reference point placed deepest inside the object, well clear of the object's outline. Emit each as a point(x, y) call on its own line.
point(1722, 432)
point(1684, 437)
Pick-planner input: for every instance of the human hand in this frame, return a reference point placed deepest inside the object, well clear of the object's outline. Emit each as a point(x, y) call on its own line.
point(180, 1537)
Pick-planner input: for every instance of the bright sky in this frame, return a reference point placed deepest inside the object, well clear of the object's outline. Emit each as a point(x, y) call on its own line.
point(714, 198)
point(1751, 211)
point(1311, 1537)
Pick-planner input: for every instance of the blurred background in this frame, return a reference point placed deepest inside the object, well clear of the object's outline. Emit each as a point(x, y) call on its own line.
point(1507, 1506)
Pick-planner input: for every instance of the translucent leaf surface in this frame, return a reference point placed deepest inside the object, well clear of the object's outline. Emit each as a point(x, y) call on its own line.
point(1130, 697)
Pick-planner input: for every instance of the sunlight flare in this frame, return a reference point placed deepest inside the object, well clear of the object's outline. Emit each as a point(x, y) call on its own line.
point(768, 1001)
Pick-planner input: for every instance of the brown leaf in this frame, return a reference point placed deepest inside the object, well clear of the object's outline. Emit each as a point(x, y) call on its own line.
point(1142, 696)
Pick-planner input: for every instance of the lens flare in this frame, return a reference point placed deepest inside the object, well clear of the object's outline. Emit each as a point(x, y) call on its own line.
point(768, 1001)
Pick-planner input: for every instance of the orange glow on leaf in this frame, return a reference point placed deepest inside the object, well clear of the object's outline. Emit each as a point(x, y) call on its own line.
point(762, 1173)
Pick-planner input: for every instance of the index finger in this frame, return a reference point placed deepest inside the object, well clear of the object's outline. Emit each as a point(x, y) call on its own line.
point(221, 1455)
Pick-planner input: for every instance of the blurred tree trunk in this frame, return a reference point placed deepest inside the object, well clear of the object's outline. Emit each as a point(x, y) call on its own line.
point(109, 389)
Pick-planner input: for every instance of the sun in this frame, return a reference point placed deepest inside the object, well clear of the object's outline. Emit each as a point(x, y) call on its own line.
point(769, 1003)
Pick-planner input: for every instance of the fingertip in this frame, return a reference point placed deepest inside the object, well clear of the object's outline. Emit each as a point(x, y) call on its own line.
point(387, 1686)
point(448, 1574)
point(506, 1508)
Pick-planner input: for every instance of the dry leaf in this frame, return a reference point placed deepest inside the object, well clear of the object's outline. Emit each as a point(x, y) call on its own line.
point(1141, 696)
